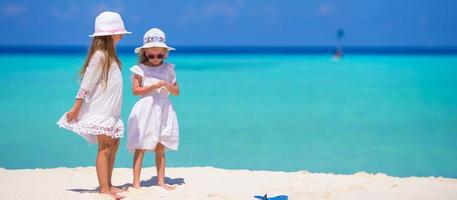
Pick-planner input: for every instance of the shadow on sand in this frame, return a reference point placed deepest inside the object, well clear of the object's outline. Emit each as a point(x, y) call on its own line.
point(147, 183)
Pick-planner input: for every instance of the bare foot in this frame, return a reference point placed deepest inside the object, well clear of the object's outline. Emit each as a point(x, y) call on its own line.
point(117, 190)
point(166, 186)
point(112, 194)
point(136, 185)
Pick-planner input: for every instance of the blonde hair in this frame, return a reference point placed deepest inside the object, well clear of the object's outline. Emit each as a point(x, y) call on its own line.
point(141, 58)
point(105, 44)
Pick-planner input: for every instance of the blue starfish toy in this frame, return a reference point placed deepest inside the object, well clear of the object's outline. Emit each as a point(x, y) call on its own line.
point(280, 197)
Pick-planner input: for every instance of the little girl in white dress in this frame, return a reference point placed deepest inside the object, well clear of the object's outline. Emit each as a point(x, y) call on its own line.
point(96, 114)
point(152, 124)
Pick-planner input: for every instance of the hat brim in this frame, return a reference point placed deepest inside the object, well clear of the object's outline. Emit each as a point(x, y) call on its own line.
point(153, 44)
point(110, 33)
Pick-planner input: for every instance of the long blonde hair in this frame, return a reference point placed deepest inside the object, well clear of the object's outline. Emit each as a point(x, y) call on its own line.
point(105, 44)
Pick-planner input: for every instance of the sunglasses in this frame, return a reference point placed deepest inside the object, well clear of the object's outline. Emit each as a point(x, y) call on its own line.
point(152, 56)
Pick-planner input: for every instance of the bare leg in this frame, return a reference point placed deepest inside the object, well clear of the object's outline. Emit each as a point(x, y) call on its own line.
point(102, 165)
point(160, 167)
point(137, 164)
point(112, 158)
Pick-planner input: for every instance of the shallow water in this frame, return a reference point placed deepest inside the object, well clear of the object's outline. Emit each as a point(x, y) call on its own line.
point(374, 113)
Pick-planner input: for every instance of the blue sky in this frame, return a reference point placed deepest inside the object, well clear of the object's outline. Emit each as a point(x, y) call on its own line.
point(238, 22)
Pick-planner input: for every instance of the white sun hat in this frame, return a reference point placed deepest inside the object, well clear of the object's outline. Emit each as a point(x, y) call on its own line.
point(109, 23)
point(154, 38)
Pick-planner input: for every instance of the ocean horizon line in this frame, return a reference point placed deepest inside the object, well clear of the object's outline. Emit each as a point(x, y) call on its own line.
point(305, 50)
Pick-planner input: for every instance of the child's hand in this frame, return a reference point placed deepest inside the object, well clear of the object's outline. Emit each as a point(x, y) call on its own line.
point(72, 115)
point(157, 85)
point(160, 84)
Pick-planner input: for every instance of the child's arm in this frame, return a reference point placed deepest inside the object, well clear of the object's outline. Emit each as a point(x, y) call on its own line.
point(141, 90)
point(73, 113)
point(91, 77)
point(172, 88)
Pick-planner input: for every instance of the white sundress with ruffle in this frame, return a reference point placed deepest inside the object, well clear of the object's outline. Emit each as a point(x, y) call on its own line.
point(101, 109)
point(153, 119)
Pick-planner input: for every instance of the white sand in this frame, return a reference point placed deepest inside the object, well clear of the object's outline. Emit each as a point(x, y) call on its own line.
point(211, 183)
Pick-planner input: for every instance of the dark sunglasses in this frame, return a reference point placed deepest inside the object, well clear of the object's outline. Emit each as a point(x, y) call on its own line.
point(152, 56)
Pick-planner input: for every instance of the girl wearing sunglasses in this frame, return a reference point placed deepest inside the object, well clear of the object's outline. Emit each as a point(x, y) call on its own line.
point(152, 124)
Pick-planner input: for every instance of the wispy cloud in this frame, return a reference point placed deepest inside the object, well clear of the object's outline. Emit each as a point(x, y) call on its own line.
point(67, 13)
point(227, 11)
point(220, 9)
point(324, 9)
point(13, 10)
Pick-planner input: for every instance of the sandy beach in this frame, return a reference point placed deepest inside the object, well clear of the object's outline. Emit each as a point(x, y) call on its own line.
point(213, 183)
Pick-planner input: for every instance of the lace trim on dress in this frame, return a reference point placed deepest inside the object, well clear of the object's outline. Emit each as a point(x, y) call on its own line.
point(82, 93)
point(93, 129)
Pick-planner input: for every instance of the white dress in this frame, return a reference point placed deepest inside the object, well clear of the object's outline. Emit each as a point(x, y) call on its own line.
point(101, 109)
point(153, 119)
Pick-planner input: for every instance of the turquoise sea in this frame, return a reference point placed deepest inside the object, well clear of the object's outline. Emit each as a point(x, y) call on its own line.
point(395, 114)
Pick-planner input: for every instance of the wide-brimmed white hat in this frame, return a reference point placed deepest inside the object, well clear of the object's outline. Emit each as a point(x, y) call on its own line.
point(109, 23)
point(154, 38)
